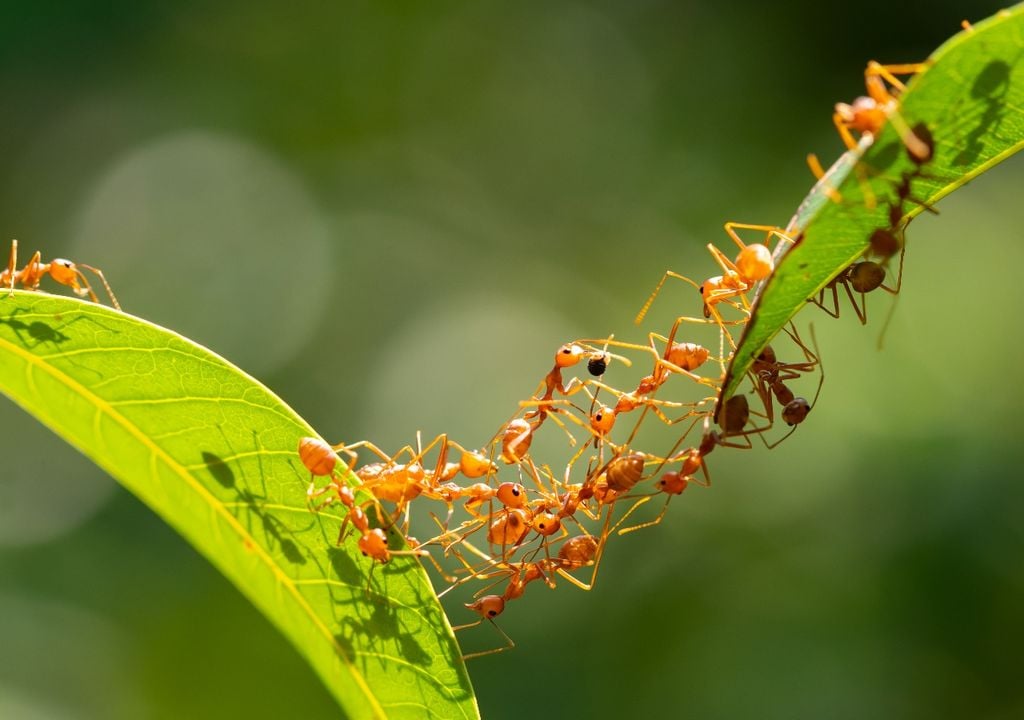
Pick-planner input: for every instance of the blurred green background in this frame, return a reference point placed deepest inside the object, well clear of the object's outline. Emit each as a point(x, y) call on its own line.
point(419, 202)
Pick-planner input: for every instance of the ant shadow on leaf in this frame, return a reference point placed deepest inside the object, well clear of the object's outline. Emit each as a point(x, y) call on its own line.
point(275, 531)
point(367, 616)
point(991, 87)
point(35, 333)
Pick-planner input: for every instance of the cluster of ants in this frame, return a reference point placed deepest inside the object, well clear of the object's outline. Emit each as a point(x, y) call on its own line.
point(542, 524)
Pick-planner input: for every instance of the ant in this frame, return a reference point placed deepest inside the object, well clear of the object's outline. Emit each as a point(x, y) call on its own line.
point(770, 377)
point(753, 264)
point(396, 482)
point(62, 271)
point(488, 607)
point(864, 276)
point(869, 113)
point(576, 552)
point(861, 277)
point(674, 482)
point(373, 542)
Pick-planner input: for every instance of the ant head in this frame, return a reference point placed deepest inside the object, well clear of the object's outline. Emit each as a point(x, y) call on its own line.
point(602, 420)
point(65, 272)
point(672, 483)
point(568, 355)
point(796, 411)
point(489, 606)
point(844, 112)
point(511, 495)
point(374, 544)
point(546, 523)
point(865, 113)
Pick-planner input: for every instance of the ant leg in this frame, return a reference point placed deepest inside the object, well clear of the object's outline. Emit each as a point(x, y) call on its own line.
point(30, 274)
point(723, 332)
point(727, 265)
point(899, 275)
point(894, 291)
point(819, 173)
point(889, 72)
point(633, 508)
point(772, 446)
point(647, 305)
point(106, 285)
point(12, 265)
point(79, 284)
point(649, 523)
point(509, 644)
point(770, 231)
point(820, 302)
point(349, 451)
point(605, 532)
point(844, 132)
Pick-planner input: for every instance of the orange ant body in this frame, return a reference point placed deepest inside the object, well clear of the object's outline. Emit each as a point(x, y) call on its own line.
point(576, 552)
point(62, 271)
point(373, 542)
point(753, 264)
point(869, 113)
point(400, 483)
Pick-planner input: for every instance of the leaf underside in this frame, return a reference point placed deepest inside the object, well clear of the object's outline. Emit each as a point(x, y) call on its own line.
point(971, 100)
point(213, 452)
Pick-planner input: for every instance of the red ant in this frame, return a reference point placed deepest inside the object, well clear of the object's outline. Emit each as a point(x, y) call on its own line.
point(869, 113)
point(373, 542)
point(63, 271)
point(675, 482)
point(576, 552)
point(753, 264)
point(396, 482)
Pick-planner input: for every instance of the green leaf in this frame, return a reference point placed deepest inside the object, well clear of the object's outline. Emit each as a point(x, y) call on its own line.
point(971, 99)
point(214, 452)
